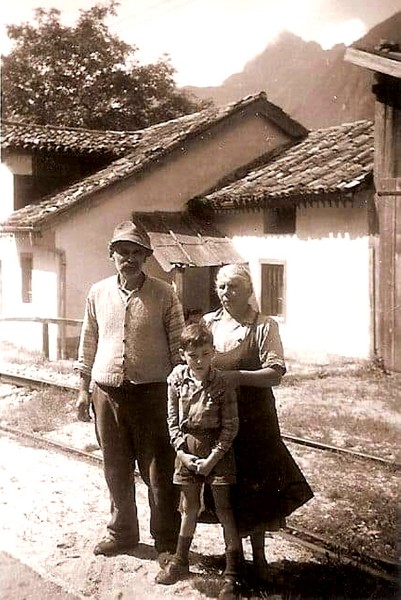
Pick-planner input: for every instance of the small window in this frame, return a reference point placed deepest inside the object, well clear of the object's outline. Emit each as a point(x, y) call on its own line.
point(279, 220)
point(26, 277)
point(23, 191)
point(272, 296)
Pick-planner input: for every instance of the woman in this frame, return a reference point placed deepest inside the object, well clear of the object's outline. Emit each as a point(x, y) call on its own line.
point(270, 485)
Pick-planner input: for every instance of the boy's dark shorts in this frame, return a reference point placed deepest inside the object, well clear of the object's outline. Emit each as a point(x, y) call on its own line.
point(200, 443)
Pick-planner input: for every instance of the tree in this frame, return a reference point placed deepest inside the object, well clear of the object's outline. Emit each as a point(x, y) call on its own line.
point(83, 76)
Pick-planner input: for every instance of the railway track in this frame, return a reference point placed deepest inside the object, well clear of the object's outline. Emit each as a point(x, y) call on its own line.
point(20, 381)
point(375, 566)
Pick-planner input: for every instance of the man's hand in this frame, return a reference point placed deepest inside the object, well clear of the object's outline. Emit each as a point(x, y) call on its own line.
point(82, 406)
point(188, 460)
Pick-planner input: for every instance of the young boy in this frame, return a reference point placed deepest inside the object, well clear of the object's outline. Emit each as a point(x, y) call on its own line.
point(202, 422)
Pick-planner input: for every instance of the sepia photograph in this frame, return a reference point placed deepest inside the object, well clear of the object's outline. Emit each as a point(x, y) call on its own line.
point(200, 300)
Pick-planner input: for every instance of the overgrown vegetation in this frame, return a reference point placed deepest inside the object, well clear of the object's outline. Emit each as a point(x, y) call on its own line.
point(359, 410)
point(40, 411)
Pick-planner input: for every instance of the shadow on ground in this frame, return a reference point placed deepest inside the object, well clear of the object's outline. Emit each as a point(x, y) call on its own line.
point(299, 581)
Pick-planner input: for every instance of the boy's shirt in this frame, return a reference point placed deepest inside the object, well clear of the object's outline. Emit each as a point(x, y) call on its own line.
point(211, 404)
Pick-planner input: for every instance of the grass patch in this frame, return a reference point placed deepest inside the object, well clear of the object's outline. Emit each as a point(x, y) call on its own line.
point(355, 502)
point(41, 411)
point(20, 356)
point(358, 411)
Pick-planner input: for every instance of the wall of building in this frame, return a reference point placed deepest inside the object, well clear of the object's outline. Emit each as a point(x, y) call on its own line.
point(190, 171)
point(328, 271)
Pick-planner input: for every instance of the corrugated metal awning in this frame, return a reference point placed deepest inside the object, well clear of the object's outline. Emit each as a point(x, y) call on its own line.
point(179, 239)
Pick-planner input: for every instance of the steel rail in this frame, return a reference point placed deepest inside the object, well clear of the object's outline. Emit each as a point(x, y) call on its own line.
point(31, 382)
point(41, 442)
point(337, 450)
point(375, 566)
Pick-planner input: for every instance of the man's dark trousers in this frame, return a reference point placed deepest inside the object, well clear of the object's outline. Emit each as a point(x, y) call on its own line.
point(131, 426)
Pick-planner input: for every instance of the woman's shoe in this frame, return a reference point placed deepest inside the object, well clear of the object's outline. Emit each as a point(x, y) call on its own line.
point(230, 589)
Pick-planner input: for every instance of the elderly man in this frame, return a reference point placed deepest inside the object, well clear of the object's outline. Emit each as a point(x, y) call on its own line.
point(129, 344)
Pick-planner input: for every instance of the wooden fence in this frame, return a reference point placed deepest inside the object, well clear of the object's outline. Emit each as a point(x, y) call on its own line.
point(61, 323)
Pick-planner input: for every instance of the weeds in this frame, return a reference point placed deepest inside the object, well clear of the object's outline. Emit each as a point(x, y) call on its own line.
point(21, 356)
point(41, 411)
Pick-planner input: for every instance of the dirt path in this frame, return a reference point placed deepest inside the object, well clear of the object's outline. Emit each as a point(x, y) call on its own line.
point(56, 508)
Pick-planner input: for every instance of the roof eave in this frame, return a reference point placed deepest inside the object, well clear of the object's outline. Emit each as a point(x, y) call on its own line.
point(373, 62)
point(258, 203)
point(18, 229)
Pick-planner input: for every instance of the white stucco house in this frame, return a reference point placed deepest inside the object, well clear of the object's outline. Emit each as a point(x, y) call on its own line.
point(52, 248)
point(306, 224)
point(241, 183)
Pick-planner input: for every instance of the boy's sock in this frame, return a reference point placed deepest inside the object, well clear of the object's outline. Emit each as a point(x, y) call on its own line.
point(182, 551)
point(233, 563)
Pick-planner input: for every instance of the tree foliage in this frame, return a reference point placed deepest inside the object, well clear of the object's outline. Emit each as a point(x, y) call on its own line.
point(83, 76)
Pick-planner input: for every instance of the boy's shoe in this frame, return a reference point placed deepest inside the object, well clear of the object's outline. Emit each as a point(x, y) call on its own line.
point(109, 546)
point(230, 589)
point(173, 572)
point(164, 558)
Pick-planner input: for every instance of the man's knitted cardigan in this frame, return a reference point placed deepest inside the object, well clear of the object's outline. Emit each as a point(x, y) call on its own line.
point(132, 337)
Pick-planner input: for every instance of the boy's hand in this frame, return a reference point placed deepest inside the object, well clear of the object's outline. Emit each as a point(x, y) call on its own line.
point(189, 460)
point(204, 466)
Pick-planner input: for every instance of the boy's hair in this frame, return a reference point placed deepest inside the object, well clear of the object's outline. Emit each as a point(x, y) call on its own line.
point(195, 335)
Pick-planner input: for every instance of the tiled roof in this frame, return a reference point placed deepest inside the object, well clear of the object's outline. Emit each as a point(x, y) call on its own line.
point(181, 239)
point(337, 159)
point(152, 144)
point(31, 137)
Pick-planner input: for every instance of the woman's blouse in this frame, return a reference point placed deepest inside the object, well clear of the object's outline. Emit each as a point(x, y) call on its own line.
point(253, 344)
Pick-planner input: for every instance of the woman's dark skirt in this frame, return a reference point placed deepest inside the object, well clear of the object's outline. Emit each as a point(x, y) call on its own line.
point(270, 485)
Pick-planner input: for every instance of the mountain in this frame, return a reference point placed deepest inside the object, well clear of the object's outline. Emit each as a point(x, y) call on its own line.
point(389, 30)
point(316, 87)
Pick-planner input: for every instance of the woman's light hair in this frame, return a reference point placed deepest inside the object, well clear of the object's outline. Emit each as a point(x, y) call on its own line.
point(236, 272)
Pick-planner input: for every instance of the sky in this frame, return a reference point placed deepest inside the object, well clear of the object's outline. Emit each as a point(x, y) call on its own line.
point(209, 40)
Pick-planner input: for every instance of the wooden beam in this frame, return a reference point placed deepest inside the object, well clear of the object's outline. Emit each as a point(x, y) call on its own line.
point(374, 62)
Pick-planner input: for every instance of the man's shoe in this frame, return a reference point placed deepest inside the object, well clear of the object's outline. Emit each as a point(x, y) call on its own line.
point(230, 589)
point(172, 573)
point(109, 546)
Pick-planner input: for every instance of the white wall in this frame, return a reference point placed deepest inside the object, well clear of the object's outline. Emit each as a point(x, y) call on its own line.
point(45, 296)
point(327, 278)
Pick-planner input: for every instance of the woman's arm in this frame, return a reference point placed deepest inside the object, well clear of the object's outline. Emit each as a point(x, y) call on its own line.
point(263, 378)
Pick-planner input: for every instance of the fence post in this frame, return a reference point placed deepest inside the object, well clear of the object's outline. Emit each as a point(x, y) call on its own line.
point(45, 339)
